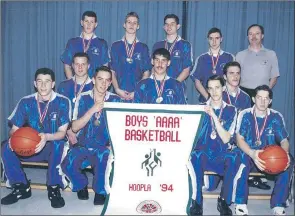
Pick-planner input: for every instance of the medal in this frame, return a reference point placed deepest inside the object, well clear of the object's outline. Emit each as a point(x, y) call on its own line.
point(257, 132)
point(214, 63)
point(86, 47)
point(42, 115)
point(74, 100)
point(228, 97)
point(130, 51)
point(159, 89)
point(159, 100)
point(213, 135)
point(172, 45)
point(80, 90)
point(40, 125)
point(96, 122)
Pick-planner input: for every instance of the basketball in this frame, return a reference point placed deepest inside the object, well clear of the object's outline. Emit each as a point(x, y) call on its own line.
point(24, 140)
point(276, 159)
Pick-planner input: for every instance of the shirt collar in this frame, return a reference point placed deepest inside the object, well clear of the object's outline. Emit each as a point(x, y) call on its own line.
point(221, 52)
point(166, 78)
point(209, 101)
point(262, 48)
point(87, 81)
point(238, 92)
point(178, 39)
point(106, 96)
point(136, 39)
point(94, 35)
point(53, 96)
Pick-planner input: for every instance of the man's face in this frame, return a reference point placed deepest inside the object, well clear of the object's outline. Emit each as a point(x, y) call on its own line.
point(80, 66)
point(214, 40)
point(44, 84)
point(262, 100)
point(233, 76)
point(255, 36)
point(131, 25)
point(171, 26)
point(88, 24)
point(102, 81)
point(215, 90)
point(160, 64)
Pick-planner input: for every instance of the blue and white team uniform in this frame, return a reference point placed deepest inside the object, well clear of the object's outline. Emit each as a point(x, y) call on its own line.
point(274, 132)
point(129, 69)
point(180, 55)
point(26, 112)
point(146, 91)
point(211, 154)
point(241, 101)
point(97, 52)
point(92, 147)
point(67, 88)
point(203, 68)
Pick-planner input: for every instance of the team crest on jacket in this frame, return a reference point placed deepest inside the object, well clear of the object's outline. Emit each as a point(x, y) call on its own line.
point(149, 207)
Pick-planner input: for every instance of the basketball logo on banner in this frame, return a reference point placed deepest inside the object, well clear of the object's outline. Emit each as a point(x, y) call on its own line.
point(151, 147)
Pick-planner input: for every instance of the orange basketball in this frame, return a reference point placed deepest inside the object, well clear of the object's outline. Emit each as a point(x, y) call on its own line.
point(24, 140)
point(276, 159)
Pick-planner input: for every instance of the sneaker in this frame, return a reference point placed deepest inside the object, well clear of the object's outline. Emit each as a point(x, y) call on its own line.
point(223, 207)
point(99, 199)
point(83, 194)
point(278, 210)
point(256, 182)
point(55, 197)
point(196, 209)
point(241, 209)
point(20, 191)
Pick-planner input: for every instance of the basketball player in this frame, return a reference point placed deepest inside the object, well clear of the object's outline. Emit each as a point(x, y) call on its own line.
point(48, 113)
point(73, 87)
point(212, 150)
point(210, 63)
point(87, 42)
point(130, 61)
point(180, 50)
point(93, 139)
point(159, 87)
point(258, 127)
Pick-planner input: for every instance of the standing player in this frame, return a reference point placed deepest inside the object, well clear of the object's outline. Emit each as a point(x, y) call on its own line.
point(212, 152)
point(258, 127)
point(88, 42)
point(93, 139)
point(210, 63)
point(48, 113)
point(130, 61)
point(80, 82)
point(259, 65)
point(159, 87)
point(180, 50)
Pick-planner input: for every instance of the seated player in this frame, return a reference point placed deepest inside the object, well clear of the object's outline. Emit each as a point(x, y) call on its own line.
point(159, 87)
point(48, 113)
point(258, 127)
point(93, 139)
point(73, 87)
point(212, 150)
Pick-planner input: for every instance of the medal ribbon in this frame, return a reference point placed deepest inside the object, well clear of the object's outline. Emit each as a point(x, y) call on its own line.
point(130, 51)
point(257, 132)
point(219, 116)
point(162, 83)
point(81, 87)
point(42, 115)
point(214, 64)
point(98, 114)
point(86, 47)
point(172, 46)
point(228, 97)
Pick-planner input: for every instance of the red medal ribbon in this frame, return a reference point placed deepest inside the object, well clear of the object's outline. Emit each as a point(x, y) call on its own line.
point(130, 51)
point(228, 97)
point(42, 115)
point(257, 132)
point(162, 83)
point(86, 47)
point(81, 87)
point(172, 46)
point(214, 63)
point(219, 116)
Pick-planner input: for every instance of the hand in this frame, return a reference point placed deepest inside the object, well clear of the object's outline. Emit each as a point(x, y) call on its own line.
point(130, 96)
point(72, 137)
point(42, 143)
point(288, 164)
point(123, 94)
point(258, 162)
point(97, 107)
point(209, 110)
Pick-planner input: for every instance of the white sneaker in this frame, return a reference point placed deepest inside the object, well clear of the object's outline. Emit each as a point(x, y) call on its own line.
point(279, 210)
point(241, 209)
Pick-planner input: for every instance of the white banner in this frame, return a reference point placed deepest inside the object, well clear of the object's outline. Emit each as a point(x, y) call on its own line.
point(151, 145)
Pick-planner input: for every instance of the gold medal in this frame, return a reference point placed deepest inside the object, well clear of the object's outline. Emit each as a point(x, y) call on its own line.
point(213, 135)
point(214, 71)
point(159, 100)
point(258, 143)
